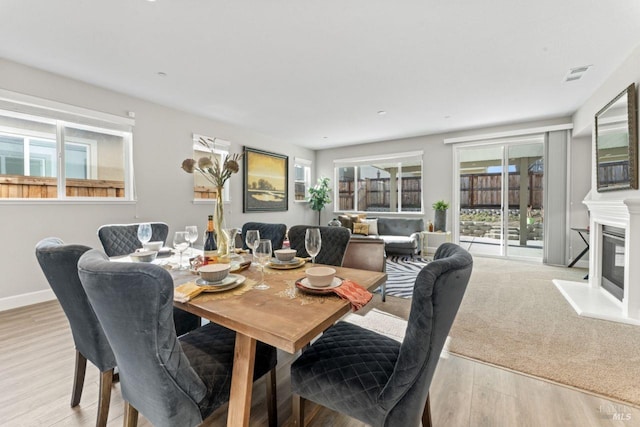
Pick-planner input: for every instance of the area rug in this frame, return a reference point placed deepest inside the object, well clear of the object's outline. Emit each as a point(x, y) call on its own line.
point(401, 275)
point(512, 316)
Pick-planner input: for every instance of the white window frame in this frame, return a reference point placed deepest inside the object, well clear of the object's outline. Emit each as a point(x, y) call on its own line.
point(356, 162)
point(23, 106)
point(306, 166)
point(219, 147)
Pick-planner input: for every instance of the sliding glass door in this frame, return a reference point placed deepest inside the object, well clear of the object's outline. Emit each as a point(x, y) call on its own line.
point(500, 197)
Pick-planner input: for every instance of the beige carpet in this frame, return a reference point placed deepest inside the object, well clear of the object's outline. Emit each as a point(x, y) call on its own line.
point(514, 317)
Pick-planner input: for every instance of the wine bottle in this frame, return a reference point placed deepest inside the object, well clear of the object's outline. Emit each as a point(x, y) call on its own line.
point(210, 247)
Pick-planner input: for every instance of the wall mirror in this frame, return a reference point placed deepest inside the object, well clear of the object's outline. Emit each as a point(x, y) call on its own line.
point(617, 143)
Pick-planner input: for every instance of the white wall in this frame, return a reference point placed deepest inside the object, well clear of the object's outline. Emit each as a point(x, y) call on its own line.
point(162, 139)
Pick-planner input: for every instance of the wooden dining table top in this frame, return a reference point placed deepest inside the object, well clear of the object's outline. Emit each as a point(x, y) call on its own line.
point(282, 316)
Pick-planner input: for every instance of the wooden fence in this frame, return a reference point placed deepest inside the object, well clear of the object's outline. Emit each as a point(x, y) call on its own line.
point(483, 190)
point(374, 194)
point(27, 187)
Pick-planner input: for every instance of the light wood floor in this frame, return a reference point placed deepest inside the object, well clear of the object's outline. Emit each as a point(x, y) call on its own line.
point(36, 365)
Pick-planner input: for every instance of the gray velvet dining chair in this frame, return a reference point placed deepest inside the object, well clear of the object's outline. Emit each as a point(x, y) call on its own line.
point(59, 263)
point(334, 243)
point(274, 232)
point(376, 379)
point(122, 239)
point(171, 381)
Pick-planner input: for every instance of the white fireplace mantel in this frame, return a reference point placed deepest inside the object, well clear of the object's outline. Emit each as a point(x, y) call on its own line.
point(592, 300)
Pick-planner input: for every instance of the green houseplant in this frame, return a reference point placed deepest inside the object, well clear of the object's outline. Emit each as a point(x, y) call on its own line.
point(440, 218)
point(319, 196)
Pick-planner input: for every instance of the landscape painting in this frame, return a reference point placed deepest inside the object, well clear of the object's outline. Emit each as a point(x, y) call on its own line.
point(265, 181)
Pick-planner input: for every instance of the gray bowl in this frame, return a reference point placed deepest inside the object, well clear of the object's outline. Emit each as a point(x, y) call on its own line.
point(143, 256)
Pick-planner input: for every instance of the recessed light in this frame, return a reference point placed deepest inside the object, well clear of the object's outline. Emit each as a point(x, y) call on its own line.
point(325, 137)
point(382, 113)
point(162, 74)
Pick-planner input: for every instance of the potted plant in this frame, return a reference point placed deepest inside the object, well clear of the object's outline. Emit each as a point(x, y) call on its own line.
point(440, 219)
point(319, 196)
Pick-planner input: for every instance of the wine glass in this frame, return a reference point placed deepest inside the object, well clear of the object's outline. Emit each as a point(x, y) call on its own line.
point(181, 243)
point(232, 232)
point(192, 236)
point(144, 232)
point(252, 238)
point(262, 254)
point(312, 242)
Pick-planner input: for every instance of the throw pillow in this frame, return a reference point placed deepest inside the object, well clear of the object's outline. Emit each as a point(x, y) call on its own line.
point(373, 226)
point(361, 228)
point(346, 221)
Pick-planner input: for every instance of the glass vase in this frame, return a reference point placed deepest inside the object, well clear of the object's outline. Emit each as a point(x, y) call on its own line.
point(218, 221)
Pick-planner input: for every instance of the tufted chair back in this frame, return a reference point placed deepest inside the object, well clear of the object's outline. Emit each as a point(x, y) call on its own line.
point(273, 232)
point(122, 239)
point(134, 302)
point(437, 295)
point(59, 263)
point(334, 243)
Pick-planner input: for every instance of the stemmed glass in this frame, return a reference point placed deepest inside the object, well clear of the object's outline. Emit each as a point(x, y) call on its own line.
point(312, 242)
point(192, 236)
point(252, 238)
point(262, 254)
point(232, 232)
point(181, 243)
point(144, 233)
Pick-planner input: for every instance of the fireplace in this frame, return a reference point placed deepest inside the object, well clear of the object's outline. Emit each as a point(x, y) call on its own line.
point(613, 250)
point(613, 291)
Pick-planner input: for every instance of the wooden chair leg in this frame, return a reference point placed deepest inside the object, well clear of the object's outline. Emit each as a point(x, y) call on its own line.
point(106, 380)
point(272, 399)
point(78, 379)
point(298, 410)
point(130, 415)
point(426, 415)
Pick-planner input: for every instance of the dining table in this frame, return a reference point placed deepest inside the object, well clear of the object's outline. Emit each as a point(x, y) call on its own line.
point(283, 316)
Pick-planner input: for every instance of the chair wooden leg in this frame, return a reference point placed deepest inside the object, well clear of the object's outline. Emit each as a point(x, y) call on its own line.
point(272, 399)
point(78, 379)
point(130, 415)
point(106, 380)
point(426, 415)
point(298, 410)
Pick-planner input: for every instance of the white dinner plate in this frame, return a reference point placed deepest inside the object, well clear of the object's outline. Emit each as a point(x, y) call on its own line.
point(223, 288)
point(334, 284)
point(231, 278)
point(295, 260)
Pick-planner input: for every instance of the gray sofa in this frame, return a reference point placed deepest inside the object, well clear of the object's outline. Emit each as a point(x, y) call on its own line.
point(401, 235)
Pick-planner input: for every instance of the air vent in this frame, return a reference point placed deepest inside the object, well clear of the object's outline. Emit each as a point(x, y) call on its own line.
point(576, 73)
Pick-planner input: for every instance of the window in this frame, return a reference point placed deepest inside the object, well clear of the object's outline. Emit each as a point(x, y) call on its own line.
point(217, 150)
point(302, 179)
point(52, 151)
point(380, 184)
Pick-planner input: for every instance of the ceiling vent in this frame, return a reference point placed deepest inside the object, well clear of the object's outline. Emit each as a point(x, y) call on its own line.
point(576, 73)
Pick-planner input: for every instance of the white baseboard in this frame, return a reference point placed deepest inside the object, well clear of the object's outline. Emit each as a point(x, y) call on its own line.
point(23, 300)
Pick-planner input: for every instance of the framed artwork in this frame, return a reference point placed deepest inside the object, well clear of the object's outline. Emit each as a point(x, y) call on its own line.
point(265, 181)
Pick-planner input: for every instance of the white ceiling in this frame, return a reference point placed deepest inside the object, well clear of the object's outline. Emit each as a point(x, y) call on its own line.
point(315, 73)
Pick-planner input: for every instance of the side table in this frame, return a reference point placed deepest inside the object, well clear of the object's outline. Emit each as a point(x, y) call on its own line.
point(431, 240)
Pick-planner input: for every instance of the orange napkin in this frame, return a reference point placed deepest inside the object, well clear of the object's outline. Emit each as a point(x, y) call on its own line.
point(354, 293)
point(186, 292)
